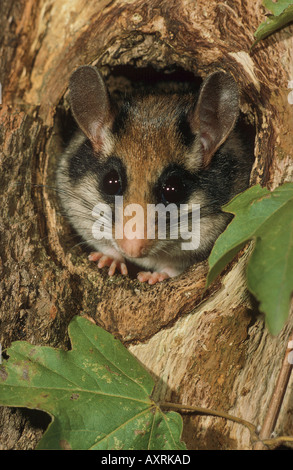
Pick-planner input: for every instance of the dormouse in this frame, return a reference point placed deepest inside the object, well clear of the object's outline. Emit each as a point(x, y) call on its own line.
point(155, 150)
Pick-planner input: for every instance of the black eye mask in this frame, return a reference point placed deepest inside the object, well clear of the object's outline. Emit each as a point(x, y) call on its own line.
point(175, 185)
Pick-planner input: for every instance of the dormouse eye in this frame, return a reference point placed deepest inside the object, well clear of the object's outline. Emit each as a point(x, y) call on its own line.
point(112, 183)
point(173, 190)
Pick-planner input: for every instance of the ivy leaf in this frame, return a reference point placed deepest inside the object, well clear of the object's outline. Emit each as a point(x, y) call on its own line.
point(97, 394)
point(282, 15)
point(267, 218)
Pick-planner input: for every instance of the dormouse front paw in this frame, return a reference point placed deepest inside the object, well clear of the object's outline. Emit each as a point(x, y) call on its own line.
point(106, 260)
point(152, 278)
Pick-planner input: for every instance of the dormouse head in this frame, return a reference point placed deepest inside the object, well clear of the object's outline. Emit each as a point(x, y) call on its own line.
point(151, 149)
point(211, 118)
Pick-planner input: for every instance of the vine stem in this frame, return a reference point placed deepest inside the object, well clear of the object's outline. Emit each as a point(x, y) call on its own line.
point(276, 399)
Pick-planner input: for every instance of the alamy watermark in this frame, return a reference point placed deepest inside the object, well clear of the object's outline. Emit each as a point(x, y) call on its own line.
point(183, 222)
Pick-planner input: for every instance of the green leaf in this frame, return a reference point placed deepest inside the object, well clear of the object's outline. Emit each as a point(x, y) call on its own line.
point(282, 15)
point(97, 394)
point(278, 6)
point(267, 218)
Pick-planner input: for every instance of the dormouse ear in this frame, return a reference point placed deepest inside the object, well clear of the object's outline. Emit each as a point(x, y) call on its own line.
point(90, 102)
point(216, 112)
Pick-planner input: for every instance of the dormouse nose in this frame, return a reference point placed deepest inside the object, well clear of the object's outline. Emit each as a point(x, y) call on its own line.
point(135, 248)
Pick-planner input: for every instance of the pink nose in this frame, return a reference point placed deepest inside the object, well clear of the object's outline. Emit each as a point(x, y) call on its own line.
point(135, 248)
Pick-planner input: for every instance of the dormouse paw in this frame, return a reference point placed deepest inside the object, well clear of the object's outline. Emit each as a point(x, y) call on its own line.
point(105, 260)
point(152, 278)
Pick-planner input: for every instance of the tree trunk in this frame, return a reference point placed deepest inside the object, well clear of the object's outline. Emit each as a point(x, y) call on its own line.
point(209, 349)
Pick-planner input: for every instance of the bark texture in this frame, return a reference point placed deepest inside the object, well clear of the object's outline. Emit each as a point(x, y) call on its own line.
point(205, 348)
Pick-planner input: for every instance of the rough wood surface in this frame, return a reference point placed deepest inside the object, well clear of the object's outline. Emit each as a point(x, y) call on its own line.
point(211, 351)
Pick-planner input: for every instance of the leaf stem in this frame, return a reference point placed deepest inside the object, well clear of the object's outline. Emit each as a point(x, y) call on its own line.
point(277, 440)
point(207, 411)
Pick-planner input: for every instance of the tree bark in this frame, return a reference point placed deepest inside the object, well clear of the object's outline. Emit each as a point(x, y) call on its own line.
point(206, 348)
